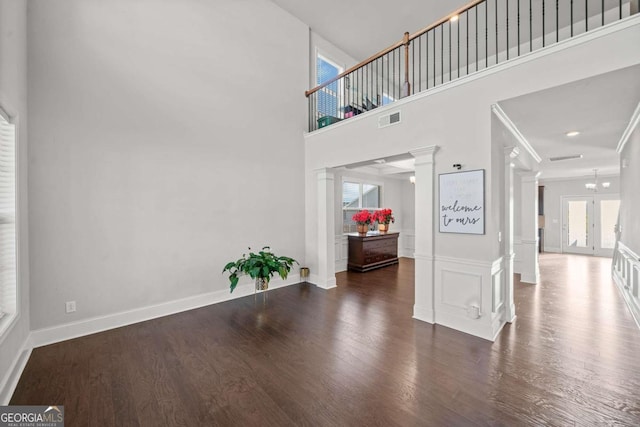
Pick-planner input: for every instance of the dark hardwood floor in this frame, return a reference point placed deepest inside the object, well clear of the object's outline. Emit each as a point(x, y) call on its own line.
point(354, 356)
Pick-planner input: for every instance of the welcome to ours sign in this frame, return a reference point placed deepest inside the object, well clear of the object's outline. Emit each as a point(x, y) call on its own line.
point(462, 202)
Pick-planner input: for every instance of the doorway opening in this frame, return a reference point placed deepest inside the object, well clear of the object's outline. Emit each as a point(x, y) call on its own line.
point(588, 224)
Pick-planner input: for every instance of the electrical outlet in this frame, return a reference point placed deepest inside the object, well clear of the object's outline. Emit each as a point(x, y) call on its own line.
point(70, 306)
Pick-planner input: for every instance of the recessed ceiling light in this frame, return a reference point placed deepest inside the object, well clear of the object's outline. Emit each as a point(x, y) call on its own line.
point(573, 133)
point(454, 18)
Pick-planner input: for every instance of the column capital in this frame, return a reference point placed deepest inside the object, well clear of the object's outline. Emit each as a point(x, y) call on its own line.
point(511, 153)
point(324, 174)
point(529, 176)
point(424, 154)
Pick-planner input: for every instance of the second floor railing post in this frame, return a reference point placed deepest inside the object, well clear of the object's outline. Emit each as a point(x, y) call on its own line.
point(406, 87)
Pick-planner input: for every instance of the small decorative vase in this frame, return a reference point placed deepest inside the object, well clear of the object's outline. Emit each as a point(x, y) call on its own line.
point(362, 229)
point(383, 228)
point(261, 284)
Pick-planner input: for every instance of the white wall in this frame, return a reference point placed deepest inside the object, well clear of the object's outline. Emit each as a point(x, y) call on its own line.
point(553, 191)
point(629, 195)
point(166, 138)
point(13, 99)
point(435, 117)
point(456, 117)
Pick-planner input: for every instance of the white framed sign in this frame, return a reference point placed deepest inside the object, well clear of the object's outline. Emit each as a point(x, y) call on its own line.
point(461, 207)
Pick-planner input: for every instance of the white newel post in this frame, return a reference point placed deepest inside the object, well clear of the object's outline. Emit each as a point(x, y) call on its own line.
point(529, 221)
point(510, 153)
point(423, 308)
point(326, 229)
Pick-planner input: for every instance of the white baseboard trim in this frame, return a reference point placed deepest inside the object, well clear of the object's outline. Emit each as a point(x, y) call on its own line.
point(424, 314)
point(633, 307)
point(330, 283)
point(54, 334)
point(530, 279)
point(10, 380)
point(552, 249)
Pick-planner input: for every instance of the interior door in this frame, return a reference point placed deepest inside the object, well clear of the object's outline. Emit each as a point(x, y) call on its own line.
point(588, 224)
point(578, 225)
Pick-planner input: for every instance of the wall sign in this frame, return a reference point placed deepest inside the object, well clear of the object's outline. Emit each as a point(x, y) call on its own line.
point(461, 207)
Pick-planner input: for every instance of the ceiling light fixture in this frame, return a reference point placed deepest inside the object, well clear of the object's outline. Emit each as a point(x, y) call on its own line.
point(412, 179)
point(571, 157)
point(454, 18)
point(593, 186)
point(572, 133)
point(606, 184)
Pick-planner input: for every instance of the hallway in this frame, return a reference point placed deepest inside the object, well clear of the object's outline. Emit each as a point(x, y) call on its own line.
point(354, 356)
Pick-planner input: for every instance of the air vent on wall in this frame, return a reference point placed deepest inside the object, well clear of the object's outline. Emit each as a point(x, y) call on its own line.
point(572, 157)
point(389, 119)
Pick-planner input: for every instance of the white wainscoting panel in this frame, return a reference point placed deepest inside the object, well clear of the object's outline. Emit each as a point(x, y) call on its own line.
point(517, 250)
point(461, 285)
point(407, 243)
point(626, 275)
point(342, 252)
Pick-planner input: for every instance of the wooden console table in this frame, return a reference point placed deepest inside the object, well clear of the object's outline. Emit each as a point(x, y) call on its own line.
point(372, 251)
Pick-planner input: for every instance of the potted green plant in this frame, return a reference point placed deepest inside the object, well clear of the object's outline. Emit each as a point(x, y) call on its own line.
point(259, 266)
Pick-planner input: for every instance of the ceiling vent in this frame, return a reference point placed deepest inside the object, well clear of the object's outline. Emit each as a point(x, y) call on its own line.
point(389, 119)
point(572, 157)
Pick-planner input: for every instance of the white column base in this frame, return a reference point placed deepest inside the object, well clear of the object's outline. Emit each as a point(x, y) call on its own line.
point(424, 314)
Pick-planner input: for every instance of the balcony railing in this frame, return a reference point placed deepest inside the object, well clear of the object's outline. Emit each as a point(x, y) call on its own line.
point(475, 37)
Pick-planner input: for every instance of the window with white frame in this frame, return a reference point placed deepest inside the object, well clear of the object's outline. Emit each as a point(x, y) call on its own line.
point(329, 97)
point(357, 196)
point(8, 281)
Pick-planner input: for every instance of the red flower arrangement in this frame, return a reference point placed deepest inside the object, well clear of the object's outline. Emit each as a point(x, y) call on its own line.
point(383, 216)
point(363, 218)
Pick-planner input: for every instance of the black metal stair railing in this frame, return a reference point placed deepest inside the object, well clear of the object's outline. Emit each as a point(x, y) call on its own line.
point(475, 37)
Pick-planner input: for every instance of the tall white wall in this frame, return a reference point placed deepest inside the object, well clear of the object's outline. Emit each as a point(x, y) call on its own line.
point(629, 199)
point(166, 139)
point(456, 118)
point(554, 190)
point(13, 99)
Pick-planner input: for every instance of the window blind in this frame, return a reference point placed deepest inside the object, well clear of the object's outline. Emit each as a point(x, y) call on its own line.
point(7, 216)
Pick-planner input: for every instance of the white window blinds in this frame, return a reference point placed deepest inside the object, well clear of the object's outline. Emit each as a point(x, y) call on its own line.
point(7, 216)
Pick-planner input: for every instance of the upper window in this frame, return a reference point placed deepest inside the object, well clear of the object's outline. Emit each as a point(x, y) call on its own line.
point(328, 98)
point(357, 196)
point(7, 221)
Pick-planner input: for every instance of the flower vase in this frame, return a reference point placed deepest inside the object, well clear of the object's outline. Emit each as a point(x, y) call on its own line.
point(362, 229)
point(261, 284)
point(383, 228)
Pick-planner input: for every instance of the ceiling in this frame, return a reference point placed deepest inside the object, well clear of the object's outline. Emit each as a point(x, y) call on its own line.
point(362, 28)
point(599, 108)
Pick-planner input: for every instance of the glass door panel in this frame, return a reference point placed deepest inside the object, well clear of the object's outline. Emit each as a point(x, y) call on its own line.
point(577, 225)
point(608, 220)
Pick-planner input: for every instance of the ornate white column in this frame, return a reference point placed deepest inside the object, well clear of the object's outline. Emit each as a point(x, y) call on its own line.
point(423, 308)
point(510, 153)
point(326, 229)
point(529, 223)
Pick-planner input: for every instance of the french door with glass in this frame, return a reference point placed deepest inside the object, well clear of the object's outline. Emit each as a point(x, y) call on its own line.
point(588, 224)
